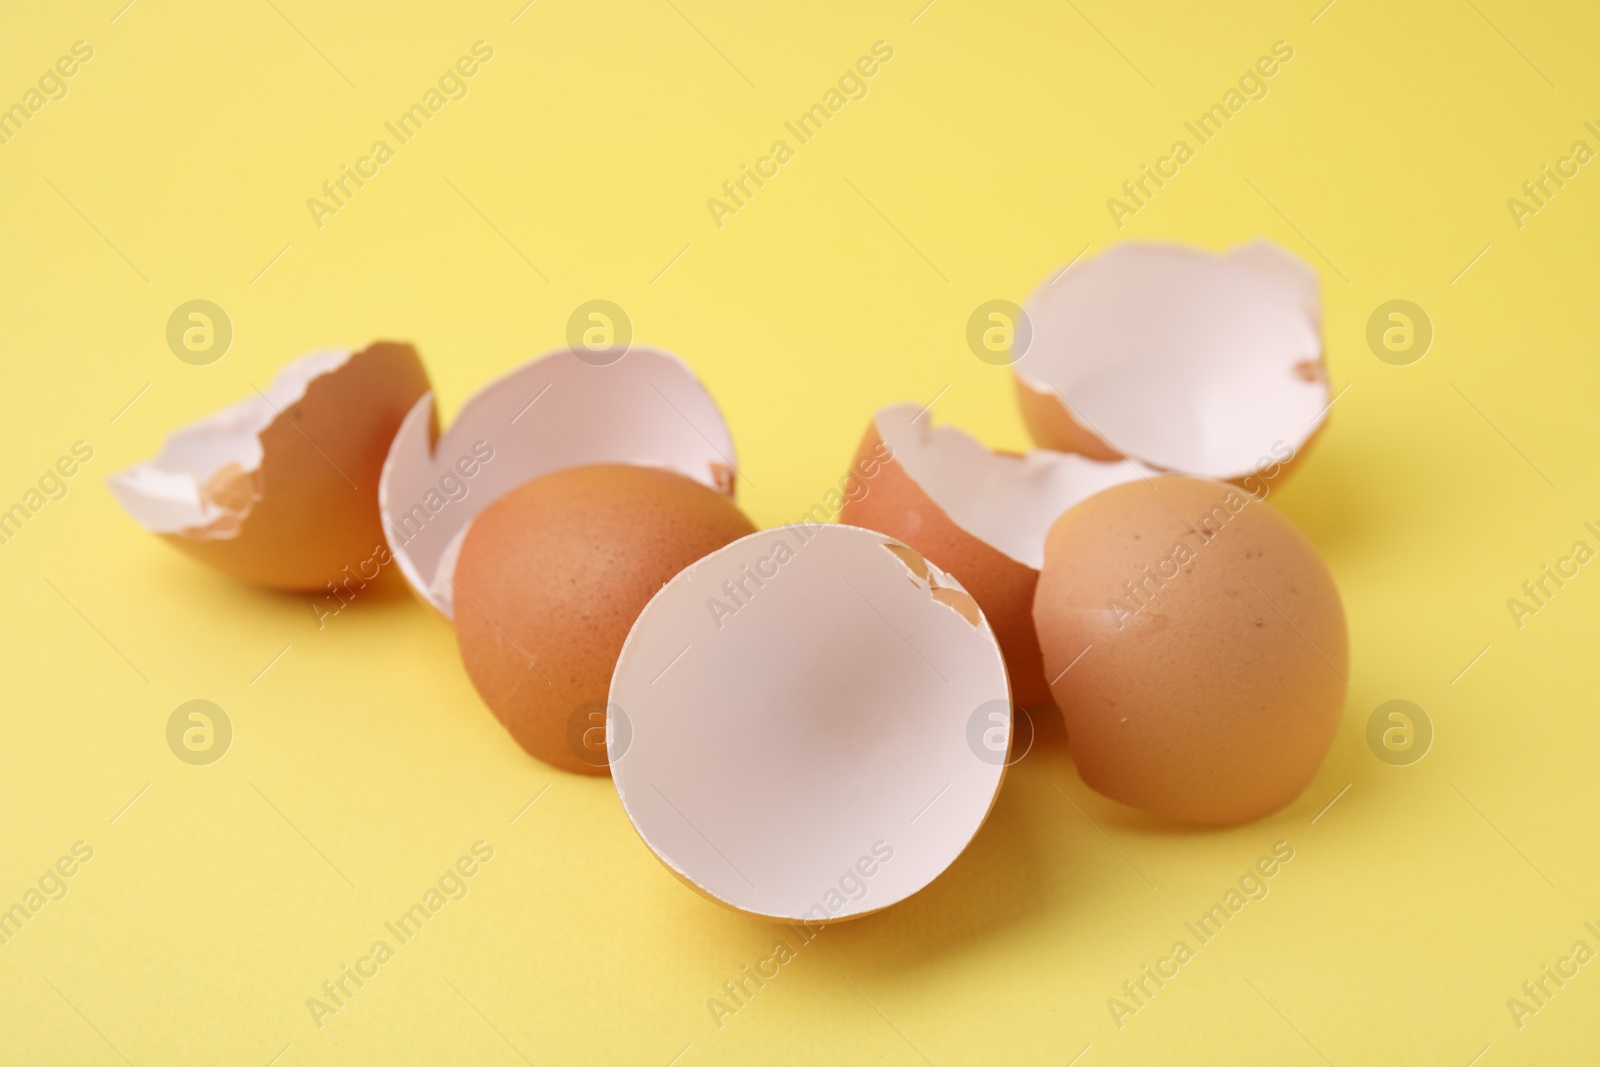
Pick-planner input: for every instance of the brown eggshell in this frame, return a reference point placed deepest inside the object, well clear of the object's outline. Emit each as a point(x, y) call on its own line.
point(1052, 426)
point(1213, 675)
point(897, 505)
point(308, 507)
point(550, 578)
point(1190, 361)
point(822, 742)
point(557, 411)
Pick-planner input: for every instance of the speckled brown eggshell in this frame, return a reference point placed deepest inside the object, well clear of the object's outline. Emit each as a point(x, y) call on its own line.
point(1211, 687)
point(551, 577)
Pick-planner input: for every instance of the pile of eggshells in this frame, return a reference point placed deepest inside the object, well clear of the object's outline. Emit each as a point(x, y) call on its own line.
point(791, 713)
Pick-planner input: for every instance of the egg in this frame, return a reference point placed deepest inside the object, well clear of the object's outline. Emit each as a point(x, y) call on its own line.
point(1189, 361)
point(982, 515)
point(281, 489)
point(548, 581)
point(818, 723)
point(1197, 648)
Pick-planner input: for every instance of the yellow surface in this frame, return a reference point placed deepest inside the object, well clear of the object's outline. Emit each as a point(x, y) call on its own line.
point(220, 898)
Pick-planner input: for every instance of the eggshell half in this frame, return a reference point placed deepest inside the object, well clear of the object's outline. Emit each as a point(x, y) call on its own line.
point(1201, 646)
point(983, 515)
point(1190, 361)
point(801, 710)
point(281, 488)
point(549, 580)
point(552, 413)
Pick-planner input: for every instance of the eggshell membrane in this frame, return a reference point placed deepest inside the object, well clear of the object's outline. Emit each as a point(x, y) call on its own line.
point(551, 576)
point(550, 414)
point(1187, 360)
point(281, 489)
point(981, 514)
point(773, 746)
point(1215, 695)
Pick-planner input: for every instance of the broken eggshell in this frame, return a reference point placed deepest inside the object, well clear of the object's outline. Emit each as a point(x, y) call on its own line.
point(280, 489)
point(803, 715)
point(554, 412)
point(1187, 360)
point(983, 515)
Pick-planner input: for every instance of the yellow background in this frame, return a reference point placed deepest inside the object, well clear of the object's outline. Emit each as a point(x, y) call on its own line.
point(178, 167)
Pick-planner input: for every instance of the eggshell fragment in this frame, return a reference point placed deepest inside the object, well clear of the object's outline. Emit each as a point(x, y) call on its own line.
point(801, 713)
point(1204, 364)
point(552, 413)
point(281, 488)
point(982, 515)
point(1201, 646)
point(548, 581)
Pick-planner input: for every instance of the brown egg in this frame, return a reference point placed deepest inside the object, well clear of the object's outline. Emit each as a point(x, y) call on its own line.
point(282, 488)
point(551, 577)
point(1213, 648)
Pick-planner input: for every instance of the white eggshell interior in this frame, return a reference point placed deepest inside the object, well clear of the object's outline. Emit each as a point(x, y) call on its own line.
point(1185, 359)
point(551, 413)
point(772, 748)
point(1008, 502)
point(164, 495)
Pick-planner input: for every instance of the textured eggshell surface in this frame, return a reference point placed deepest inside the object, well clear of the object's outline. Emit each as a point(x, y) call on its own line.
point(1191, 361)
point(801, 707)
point(1207, 649)
point(281, 489)
point(551, 577)
point(552, 413)
point(980, 514)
